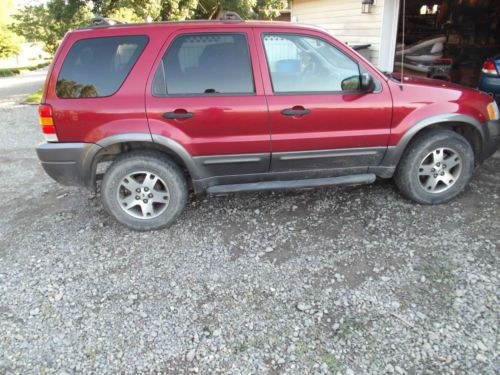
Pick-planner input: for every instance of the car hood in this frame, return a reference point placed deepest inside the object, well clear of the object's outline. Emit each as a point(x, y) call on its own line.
point(430, 97)
point(439, 87)
point(423, 81)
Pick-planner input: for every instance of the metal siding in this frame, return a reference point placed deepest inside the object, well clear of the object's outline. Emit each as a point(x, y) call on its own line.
point(344, 20)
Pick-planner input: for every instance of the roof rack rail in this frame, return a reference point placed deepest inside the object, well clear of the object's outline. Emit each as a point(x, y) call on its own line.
point(230, 16)
point(96, 22)
point(103, 21)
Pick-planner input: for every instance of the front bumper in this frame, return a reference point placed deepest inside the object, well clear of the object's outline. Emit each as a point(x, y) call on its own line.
point(491, 138)
point(68, 163)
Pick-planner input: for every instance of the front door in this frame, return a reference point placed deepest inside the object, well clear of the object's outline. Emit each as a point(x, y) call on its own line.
point(207, 95)
point(319, 117)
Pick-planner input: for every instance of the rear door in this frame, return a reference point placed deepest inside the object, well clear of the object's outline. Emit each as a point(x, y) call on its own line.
point(207, 95)
point(319, 118)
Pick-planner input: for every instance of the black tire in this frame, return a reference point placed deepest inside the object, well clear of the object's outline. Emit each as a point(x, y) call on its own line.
point(410, 178)
point(171, 183)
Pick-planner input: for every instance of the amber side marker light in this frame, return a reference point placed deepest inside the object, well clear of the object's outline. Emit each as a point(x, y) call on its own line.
point(47, 122)
point(492, 109)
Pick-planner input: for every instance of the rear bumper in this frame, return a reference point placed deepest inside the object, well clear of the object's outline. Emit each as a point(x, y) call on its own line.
point(68, 163)
point(491, 138)
point(490, 85)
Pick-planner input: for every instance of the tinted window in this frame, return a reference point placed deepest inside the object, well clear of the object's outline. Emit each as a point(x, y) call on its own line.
point(305, 64)
point(205, 64)
point(97, 67)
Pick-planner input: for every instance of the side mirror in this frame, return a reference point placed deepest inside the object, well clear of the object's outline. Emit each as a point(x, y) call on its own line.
point(350, 84)
point(367, 83)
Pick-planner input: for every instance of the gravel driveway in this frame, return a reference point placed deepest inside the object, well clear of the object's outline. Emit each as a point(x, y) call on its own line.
point(352, 280)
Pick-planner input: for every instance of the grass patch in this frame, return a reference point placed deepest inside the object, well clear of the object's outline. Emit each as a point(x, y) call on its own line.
point(331, 362)
point(304, 354)
point(349, 327)
point(9, 72)
point(34, 98)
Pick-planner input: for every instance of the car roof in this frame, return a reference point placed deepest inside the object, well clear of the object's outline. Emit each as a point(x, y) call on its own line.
point(126, 28)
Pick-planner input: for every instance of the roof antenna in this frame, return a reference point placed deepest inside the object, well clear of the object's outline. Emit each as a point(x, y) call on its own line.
point(404, 45)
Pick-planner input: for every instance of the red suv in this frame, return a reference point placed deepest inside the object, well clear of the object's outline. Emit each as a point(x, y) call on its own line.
point(227, 106)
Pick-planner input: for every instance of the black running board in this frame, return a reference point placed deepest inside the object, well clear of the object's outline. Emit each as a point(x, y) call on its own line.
point(356, 179)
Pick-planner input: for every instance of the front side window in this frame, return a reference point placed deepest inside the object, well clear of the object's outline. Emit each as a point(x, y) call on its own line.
point(303, 64)
point(97, 67)
point(204, 64)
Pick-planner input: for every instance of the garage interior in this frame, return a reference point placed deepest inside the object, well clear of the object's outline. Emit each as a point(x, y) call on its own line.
point(448, 39)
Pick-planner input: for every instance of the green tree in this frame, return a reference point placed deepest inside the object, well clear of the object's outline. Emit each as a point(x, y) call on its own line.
point(49, 22)
point(269, 9)
point(9, 45)
point(129, 10)
point(247, 9)
point(125, 14)
point(9, 42)
point(157, 10)
point(163, 10)
point(178, 9)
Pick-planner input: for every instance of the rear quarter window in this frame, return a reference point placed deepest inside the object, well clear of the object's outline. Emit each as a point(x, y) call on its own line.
point(97, 67)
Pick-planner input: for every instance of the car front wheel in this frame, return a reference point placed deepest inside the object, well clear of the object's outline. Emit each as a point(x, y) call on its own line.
point(436, 167)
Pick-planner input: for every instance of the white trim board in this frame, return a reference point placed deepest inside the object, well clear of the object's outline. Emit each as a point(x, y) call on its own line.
point(388, 35)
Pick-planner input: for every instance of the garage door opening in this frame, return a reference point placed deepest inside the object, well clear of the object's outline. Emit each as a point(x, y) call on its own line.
point(447, 40)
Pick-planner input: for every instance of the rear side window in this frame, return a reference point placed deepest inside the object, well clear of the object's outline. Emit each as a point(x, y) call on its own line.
point(97, 67)
point(204, 64)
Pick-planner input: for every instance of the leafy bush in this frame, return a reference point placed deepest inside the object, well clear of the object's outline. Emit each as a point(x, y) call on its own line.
point(9, 72)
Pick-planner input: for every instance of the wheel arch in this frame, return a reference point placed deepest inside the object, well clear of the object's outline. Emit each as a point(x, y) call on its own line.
point(467, 126)
point(113, 146)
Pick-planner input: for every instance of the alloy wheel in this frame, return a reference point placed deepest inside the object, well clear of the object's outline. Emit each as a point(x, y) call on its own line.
point(143, 195)
point(440, 170)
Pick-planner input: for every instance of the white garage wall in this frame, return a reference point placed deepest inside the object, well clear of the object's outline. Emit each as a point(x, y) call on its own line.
point(344, 20)
point(388, 35)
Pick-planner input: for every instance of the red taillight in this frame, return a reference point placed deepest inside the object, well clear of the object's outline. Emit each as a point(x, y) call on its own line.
point(47, 122)
point(48, 129)
point(489, 67)
point(44, 110)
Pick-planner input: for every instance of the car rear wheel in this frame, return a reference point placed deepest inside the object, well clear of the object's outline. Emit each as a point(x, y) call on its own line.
point(144, 190)
point(436, 167)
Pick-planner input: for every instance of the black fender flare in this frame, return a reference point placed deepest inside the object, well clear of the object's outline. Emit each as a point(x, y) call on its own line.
point(394, 153)
point(168, 143)
point(181, 152)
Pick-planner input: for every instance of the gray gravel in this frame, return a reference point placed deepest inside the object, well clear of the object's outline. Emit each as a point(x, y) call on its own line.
point(352, 280)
